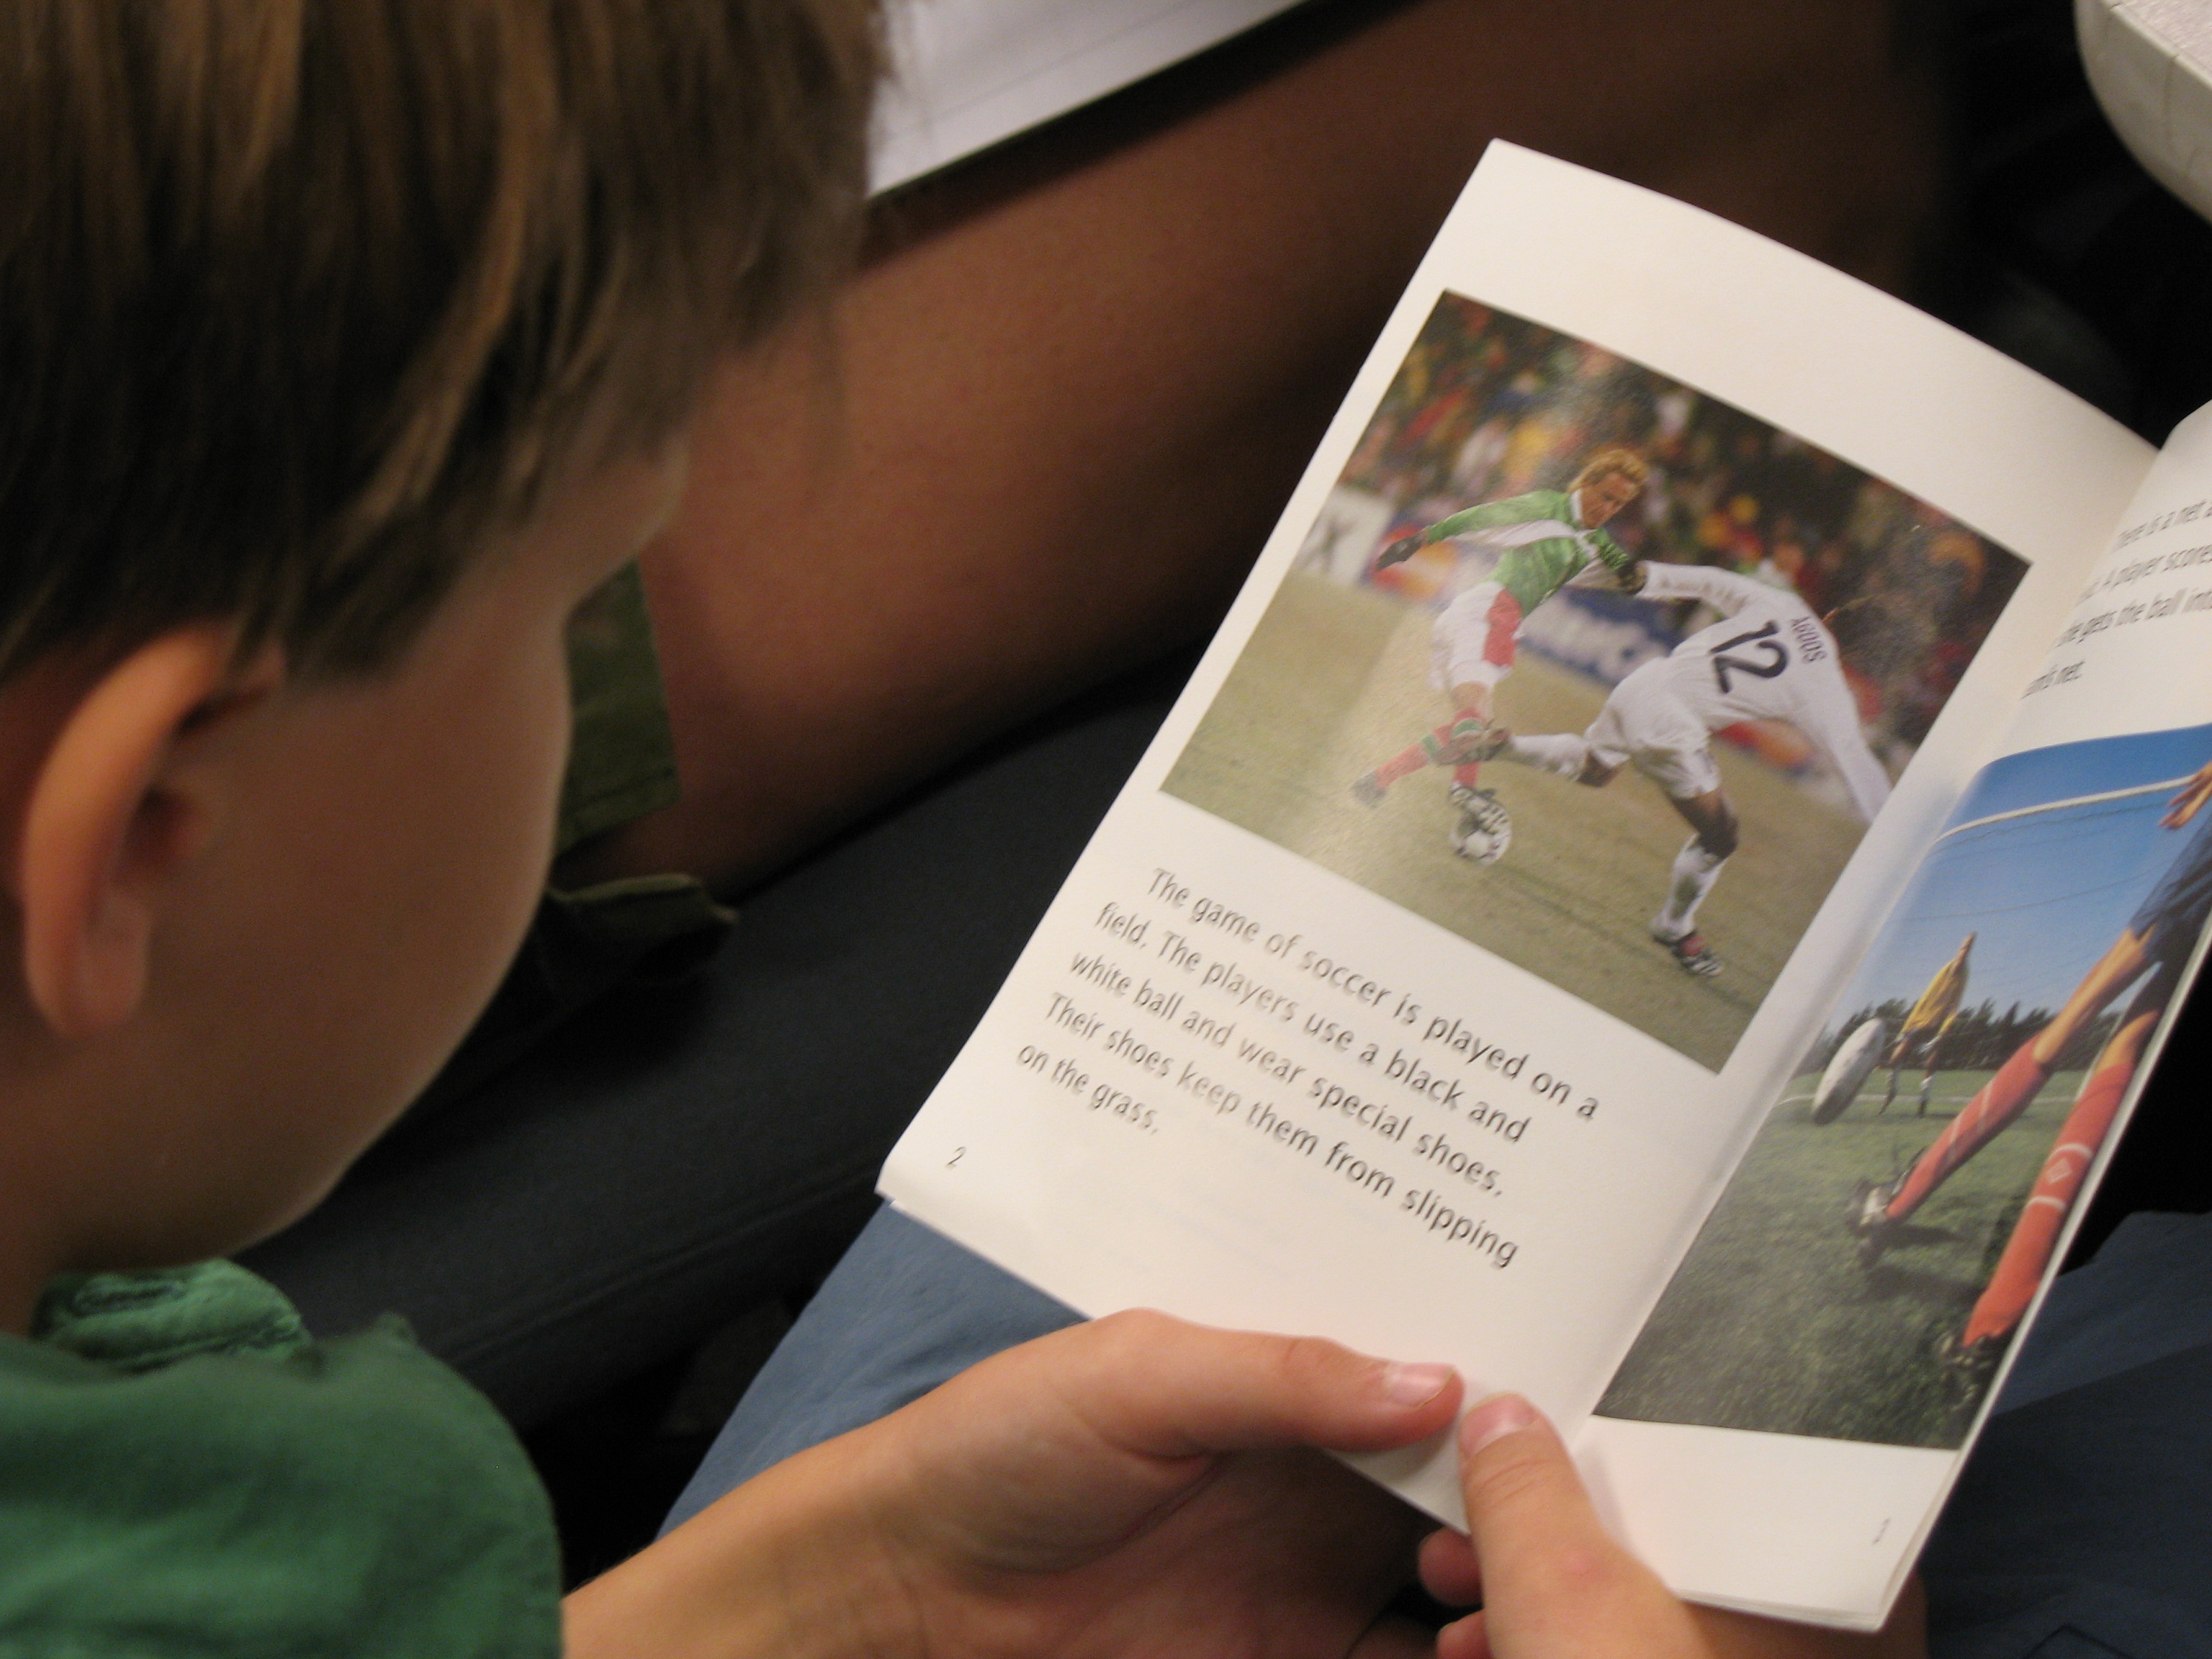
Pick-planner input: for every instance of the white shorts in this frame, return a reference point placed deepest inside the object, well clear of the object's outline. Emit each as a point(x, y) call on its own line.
point(1644, 725)
point(1472, 640)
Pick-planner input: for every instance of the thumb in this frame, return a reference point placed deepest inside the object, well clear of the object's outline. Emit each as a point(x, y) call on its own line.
point(1051, 1452)
point(1554, 1582)
point(1151, 1386)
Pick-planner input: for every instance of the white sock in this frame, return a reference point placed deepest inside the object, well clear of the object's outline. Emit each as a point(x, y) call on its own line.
point(1693, 877)
point(1564, 754)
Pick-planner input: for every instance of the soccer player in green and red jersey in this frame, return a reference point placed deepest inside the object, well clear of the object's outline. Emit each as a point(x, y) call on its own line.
point(1544, 540)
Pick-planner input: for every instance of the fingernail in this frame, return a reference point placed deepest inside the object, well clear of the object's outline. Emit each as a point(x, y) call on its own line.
point(1414, 1385)
point(1493, 1419)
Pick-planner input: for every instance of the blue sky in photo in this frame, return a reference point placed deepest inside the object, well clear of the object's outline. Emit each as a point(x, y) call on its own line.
point(2047, 893)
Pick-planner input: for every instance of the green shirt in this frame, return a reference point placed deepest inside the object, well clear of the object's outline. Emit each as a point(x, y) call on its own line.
point(183, 1471)
point(622, 753)
point(1541, 544)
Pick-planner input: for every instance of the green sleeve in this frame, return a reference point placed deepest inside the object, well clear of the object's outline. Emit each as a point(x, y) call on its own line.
point(1617, 559)
point(622, 754)
point(1513, 509)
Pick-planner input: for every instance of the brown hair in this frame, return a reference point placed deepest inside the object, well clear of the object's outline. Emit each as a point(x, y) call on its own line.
point(299, 297)
point(1607, 462)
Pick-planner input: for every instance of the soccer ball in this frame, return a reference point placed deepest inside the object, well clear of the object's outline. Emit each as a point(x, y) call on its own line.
point(1485, 828)
point(1856, 1057)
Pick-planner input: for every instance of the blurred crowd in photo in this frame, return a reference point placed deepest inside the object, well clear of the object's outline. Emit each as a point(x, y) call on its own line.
point(1488, 406)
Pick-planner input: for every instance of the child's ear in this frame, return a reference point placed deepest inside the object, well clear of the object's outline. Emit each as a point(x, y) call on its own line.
point(110, 817)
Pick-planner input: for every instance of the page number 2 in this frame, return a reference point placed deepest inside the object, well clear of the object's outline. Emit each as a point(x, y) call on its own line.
point(958, 1152)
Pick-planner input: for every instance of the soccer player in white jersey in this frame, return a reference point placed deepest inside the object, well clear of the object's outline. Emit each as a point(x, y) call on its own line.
point(1768, 658)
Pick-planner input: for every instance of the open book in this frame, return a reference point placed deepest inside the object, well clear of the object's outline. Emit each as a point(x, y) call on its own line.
point(1661, 893)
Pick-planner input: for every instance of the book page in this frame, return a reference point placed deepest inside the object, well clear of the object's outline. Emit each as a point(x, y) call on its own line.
point(1306, 1043)
point(1866, 1277)
point(967, 74)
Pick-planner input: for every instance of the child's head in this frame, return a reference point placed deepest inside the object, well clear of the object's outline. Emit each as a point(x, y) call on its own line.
point(344, 344)
point(297, 296)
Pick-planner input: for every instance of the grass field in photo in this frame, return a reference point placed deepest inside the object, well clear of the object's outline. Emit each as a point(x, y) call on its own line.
point(1773, 1323)
point(1335, 679)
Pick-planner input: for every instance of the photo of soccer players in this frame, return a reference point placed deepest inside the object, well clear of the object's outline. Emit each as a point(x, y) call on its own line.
point(1541, 541)
point(1864, 1273)
point(1546, 565)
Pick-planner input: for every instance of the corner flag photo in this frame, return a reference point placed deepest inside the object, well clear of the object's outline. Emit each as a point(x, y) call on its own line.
point(1865, 1271)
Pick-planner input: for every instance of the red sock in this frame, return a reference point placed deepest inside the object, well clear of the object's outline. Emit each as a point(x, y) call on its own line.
point(1995, 1104)
point(1439, 748)
point(1469, 776)
point(1449, 742)
point(2020, 1270)
point(1413, 760)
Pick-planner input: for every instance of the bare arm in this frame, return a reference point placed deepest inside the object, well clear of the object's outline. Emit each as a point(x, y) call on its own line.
point(1073, 386)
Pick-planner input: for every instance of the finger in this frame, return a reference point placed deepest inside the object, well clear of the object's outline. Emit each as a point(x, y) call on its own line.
point(1145, 1383)
point(1071, 1445)
point(1448, 1569)
point(1464, 1638)
point(1555, 1582)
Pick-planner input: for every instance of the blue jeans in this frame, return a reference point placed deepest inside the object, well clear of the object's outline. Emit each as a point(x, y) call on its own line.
point(904, 1311)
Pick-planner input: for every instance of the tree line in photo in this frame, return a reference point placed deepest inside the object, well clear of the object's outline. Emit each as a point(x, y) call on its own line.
point(1980, 1040)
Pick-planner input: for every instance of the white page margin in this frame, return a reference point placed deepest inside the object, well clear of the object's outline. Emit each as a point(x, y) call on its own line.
point(1796, 1527)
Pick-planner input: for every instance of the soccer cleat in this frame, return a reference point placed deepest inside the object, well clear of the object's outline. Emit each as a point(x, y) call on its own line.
point(1868, 1218)
point(1465, 739)
point(1691, 954)
point(1485, 828)
point(1368, 789)
point(1488, 743)
point(1969, 1365)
